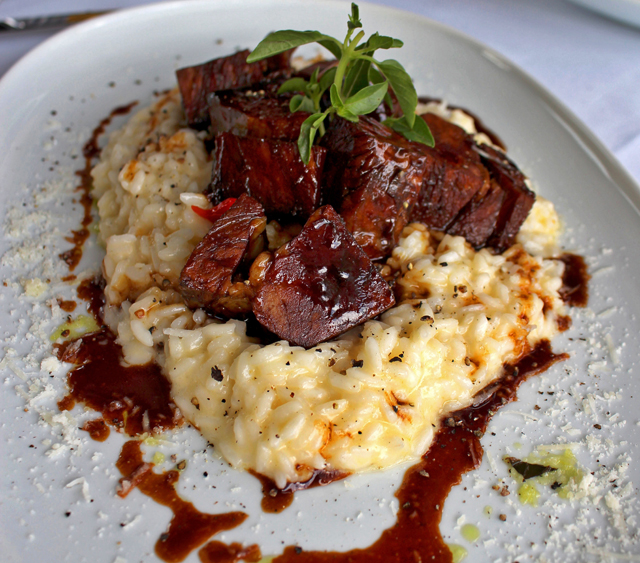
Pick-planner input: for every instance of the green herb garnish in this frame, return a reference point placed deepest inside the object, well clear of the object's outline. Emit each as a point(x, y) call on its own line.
point(528, 470)
point(357, 85)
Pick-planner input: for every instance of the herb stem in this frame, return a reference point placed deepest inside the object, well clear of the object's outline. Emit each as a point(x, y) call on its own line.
point(347, 57)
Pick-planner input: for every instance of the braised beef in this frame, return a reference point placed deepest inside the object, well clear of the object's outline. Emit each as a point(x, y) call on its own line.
point(197, 82)
point(477, 220)
point(207, 280)
point(254, 115)
point(454, 175)
point(270, 171)
point(373, 178)
point(320, 284)
point(480, 125)
point(518, 198)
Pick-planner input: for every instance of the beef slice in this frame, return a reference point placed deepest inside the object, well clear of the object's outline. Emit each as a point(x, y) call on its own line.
point(207, 280)
point(271, 172)
point(249, 114)
point(197, 82)
point(373, 178)
point(454, 175)
point(320, 284)
point(518, 198)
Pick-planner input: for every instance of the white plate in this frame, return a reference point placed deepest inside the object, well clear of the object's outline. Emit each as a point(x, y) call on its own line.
point(81, 75)
point(627, 11)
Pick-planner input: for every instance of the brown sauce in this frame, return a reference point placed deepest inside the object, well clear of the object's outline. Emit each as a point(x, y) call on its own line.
point(575, 290)
point(90, 150)
point(275, 500)
point(218, 552)
point(98, 429)
point(91, 291)
point(67, 306)
point(189, 527)
point(455, 450)
point(136, 399)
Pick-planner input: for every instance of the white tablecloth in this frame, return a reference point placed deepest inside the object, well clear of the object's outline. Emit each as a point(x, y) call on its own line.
point(591, 63)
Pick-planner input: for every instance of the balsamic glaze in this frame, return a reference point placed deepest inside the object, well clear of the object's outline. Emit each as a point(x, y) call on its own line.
point(90, 150)
point(98, 429)
point(275, 500)
point(136, 399)
point(574, 291)
point(189, 527)
point(455, 450)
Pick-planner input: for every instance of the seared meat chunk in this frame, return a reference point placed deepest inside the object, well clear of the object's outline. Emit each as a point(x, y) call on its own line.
point(207, 280)
point(373, 177)
point(477, 220)
point(320, 284)
point(270, 171)
point(225, 73)
point(253, 115)
point(518, 198)
point(454, 175)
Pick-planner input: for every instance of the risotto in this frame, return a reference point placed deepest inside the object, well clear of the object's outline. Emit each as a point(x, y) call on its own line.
point(370, 399)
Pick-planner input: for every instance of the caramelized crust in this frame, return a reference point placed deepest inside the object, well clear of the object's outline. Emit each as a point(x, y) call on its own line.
point(197, 82)
point(373, 177)
point(207, 280)
point(320, 284)
point(254, 115)
point(272, 172)
point(454, 175)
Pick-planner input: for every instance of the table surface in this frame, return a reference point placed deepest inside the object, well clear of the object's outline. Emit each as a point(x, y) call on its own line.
point(591, 63)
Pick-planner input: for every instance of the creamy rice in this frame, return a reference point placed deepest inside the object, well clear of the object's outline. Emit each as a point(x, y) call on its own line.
point(369, 400)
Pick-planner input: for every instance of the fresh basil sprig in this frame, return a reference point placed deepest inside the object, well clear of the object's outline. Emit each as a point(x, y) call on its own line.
point(357, 84)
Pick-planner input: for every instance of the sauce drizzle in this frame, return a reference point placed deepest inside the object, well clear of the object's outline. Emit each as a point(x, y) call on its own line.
point(189, 527)
point(90, 150)
point(98, 429)
point(134, 398)
point(455, 450)
point(218, 552)
point(574, 290)
point(275, 500)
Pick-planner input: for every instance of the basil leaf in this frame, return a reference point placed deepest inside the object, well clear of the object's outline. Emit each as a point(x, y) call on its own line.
point(357, 77)
point(280, 41)
point(346, 114)
point(354, 19)
point(420, 131)
point(327, 78)
point(307, 135)
point(293, 85)
point(402, 86)
point(295, 103)
point(301, 103)
point(377, 41)
point(366, 100)
point(336, 100)
point(528, 470)
point(374, 76)
point(333, 46)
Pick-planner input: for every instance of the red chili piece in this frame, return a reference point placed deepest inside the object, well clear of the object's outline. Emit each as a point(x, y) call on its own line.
point(216, 212)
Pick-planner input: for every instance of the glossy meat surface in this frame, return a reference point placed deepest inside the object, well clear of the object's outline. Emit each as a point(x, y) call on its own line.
point(197, 82)
point(207, 280)
point(518, 198)
point(454, 175)
point(320, 284)
point(373, 177)
point(253, 115)
point(269, 171)
point(477, 220)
